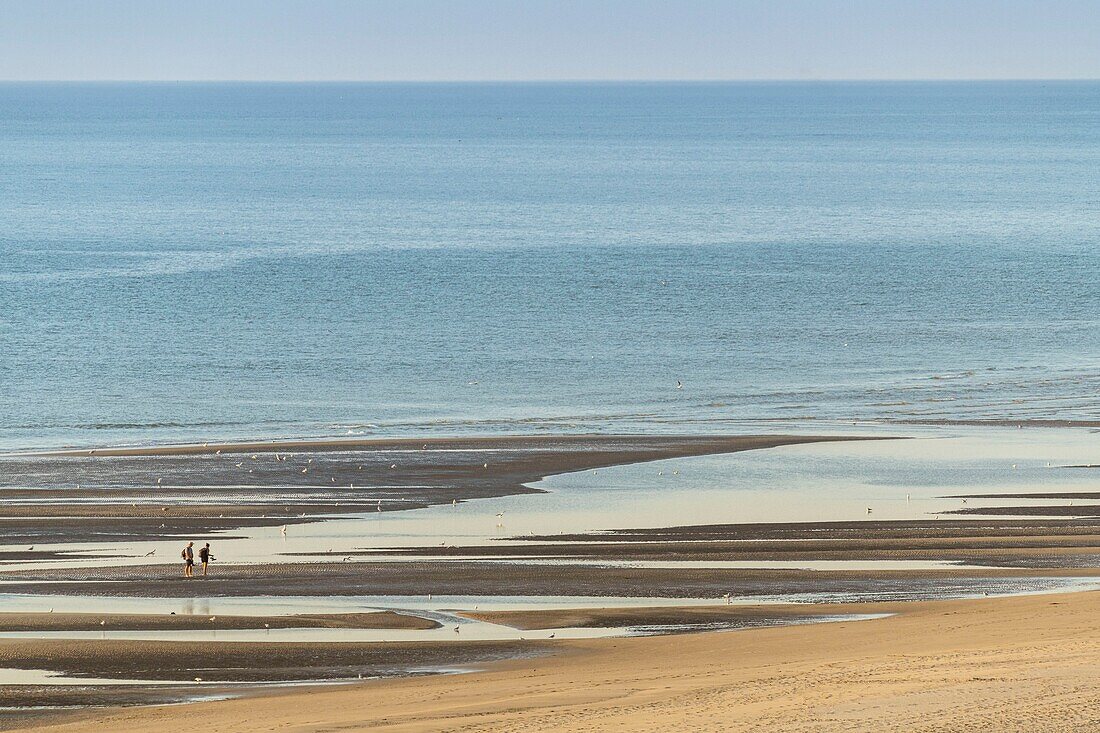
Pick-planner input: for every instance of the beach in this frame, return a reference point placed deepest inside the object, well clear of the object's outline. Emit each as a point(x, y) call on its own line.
point(1012, 664)
point(403, 583)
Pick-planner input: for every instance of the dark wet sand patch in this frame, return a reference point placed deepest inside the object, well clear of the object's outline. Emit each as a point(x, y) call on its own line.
point(513, 579)
point(1065, 510)
point(158, 493)
point(48, 555)
point(1032, 495)
point(30, 622)
point(24, 706)
point(433, 443)
point(252, 661)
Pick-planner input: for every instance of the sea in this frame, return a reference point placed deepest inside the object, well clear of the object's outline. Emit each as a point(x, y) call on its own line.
point(197, 262)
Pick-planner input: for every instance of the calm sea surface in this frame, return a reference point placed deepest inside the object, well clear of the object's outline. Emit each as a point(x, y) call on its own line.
point(193, 262)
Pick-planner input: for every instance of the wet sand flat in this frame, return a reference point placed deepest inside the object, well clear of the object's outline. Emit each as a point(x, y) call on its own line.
point(157, 493)
point(657, 443)
point(25, 622)
point(685, 616)
point(164, 493)
point(1026, 664)
point(970, 541)
point(227, 662)
point(514, 579)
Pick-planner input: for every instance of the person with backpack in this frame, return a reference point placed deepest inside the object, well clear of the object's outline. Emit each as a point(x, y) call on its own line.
point(205, 557)
point(188, 556)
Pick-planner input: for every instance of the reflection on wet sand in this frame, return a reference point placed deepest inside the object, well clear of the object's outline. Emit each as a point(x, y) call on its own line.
point(622, 525)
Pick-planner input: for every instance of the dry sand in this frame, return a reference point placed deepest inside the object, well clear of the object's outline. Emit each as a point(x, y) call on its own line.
point(1027, 664)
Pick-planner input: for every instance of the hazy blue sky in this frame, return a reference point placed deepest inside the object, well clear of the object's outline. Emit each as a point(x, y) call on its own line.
point(548, 39)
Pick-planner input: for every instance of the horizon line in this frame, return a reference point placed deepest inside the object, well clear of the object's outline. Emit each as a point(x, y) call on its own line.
point(565, 80)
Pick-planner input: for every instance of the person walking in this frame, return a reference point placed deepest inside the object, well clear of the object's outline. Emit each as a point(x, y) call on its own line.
point(188, 556)
point(205, 557)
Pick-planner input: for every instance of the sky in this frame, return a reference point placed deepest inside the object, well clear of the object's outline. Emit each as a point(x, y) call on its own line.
point(388, 40)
